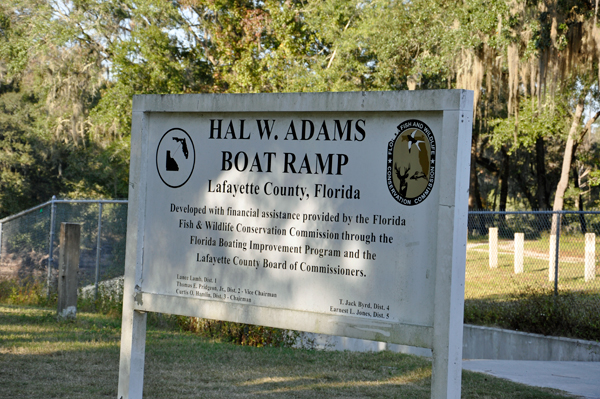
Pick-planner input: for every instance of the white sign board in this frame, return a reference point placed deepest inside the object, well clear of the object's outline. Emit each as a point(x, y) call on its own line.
point(336, 213)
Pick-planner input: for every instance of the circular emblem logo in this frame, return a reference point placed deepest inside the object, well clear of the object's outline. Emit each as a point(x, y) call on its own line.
point(175, 157)
point(411, 163)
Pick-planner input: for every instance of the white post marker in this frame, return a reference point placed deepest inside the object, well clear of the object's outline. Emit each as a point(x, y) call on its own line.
point(590, 257)
point(552, 258)
point(519, 252)
point(334, 213)
point(493, 247)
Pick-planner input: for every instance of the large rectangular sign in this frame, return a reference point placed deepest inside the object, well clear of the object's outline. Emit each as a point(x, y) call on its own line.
point(333, 213)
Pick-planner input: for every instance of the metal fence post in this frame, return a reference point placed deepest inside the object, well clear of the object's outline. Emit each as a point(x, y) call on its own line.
point(98, 251)
point(556, 254)
point(51, 246)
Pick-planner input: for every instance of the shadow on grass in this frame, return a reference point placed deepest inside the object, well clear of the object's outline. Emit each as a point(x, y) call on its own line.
point(43, 358)
point(224, 370)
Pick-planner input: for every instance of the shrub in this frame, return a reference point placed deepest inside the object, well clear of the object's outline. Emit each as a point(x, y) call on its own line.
point(239, 333)
point(108, 302)
point(571, 314)
point(27, 292)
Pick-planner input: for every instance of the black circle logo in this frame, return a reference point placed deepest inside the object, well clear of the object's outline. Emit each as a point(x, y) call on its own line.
point(411, 163)
point(175, 157)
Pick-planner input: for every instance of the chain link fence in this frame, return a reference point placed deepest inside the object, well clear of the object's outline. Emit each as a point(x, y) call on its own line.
point(513, 252)
point(507, 252)
point(29, 241)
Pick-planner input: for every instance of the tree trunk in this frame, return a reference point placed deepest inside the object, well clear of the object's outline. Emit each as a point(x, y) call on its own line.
point(475, 203)
point(474, 195)
point(566, 165)
point(582, 222)
point(540, 161)
point(524, 187)
point(503, 183)
point(504, 171)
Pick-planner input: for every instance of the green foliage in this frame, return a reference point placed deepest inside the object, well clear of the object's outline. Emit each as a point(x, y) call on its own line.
point(68, 73)
point(547, 120)
point(595, 178)
point(26, 292)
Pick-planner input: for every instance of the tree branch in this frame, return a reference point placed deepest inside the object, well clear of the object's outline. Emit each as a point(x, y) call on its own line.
point(588, 126)
point(488, 164)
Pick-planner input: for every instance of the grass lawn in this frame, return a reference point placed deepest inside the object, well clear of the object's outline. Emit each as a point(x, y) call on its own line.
point(498, 284)
point(43, 358)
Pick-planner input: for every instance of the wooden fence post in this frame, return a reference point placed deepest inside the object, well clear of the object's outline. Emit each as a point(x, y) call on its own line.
point(68, 266)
